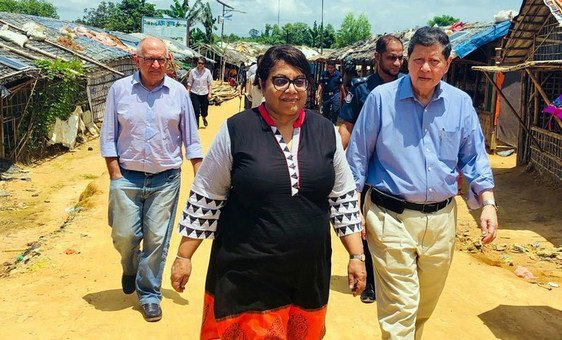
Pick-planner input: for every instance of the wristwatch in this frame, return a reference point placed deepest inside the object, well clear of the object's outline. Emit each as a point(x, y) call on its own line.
point(360, 257)
point(490, 202)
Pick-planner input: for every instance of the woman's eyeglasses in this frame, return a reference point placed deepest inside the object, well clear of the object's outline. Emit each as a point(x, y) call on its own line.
point(200, 63)
point(282, 83)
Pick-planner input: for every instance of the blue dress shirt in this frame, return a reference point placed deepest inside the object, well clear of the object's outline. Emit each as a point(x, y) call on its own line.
point(403, 148)
point(145, 129)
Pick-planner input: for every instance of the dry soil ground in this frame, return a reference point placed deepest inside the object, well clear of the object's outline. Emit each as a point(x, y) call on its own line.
point(67, 284)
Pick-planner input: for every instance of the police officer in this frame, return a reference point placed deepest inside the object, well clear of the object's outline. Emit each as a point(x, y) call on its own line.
point(388, 57)
point(329, 91)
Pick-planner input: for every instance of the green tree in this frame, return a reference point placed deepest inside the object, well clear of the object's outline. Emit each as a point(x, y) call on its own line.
point(208, 22)
point(124, 16)
point(297, 34)
point(40, 8)
point(353, 30)
point(254, 33)
point(329, 36)
point(272, 35)
point(443, 20)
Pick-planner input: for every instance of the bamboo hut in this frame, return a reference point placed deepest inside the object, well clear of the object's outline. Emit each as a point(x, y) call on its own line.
point(533, 50)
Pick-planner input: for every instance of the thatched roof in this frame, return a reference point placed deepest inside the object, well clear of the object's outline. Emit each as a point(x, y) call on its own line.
point(533, 16)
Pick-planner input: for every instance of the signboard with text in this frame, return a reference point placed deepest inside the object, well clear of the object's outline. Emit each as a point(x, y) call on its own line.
point(166, 28)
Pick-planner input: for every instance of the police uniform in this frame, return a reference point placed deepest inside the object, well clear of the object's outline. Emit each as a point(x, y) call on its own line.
point(331, 94)
point(360, 89)
point(352, 105)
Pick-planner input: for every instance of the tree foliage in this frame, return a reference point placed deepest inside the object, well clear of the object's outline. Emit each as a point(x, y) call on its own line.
point(40, 8)
point(442, 20)
point(123, 16)
point(353, 30)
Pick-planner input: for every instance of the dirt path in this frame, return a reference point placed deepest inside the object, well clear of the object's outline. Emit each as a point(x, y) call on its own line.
point(71, 289)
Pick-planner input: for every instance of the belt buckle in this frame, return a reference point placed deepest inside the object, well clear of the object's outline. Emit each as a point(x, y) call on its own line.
point(430, 208)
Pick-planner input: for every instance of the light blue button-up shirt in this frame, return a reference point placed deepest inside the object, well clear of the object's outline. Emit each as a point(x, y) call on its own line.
point(145, 129)
point(403, 148)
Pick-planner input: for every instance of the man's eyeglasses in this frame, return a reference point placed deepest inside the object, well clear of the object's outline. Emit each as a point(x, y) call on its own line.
point(151, 61)
point(282, 83)
point(393, 58)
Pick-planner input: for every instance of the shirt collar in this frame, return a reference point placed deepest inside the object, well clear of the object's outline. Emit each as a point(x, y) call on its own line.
point(165, 83)
point(406, 90)
point(265, 115)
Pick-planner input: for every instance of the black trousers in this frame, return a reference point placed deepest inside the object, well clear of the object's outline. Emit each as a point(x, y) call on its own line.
point(200, 105)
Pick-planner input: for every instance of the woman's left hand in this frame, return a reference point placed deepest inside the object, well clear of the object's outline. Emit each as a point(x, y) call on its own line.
point(356, 276)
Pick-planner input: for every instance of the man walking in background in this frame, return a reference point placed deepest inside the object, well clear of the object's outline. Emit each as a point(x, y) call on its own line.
point(148, 116)
point(329, 91)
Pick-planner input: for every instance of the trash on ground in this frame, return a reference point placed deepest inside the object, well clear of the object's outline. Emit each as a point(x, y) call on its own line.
point(525, 274)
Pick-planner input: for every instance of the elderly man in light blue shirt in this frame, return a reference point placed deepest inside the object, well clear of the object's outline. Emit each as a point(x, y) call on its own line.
point(412, 136)
point(148, 116)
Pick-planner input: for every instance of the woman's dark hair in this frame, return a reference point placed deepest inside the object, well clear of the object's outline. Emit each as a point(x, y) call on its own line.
point(427, 36)
point(201, 59)
point(288, 54)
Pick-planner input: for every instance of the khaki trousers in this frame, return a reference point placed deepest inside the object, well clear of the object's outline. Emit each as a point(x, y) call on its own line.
point(412, 253)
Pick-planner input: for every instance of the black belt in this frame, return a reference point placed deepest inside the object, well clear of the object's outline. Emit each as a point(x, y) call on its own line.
point(398, 205)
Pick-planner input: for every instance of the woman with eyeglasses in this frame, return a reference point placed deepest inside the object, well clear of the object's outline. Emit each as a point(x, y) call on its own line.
point(274, 178)
point(199, 85)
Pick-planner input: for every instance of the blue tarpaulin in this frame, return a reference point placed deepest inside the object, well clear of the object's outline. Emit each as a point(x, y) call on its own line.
point(467, 41)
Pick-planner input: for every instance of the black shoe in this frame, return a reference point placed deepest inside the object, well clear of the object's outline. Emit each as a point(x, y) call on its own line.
point(128, 283)
point(205, 122)
point(151, 312)
point(368, 295)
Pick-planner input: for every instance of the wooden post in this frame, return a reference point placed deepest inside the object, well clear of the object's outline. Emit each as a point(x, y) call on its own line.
point(513, 110)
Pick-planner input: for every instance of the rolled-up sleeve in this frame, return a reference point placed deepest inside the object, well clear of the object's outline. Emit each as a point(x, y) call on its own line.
point(110, 127)
point(190, 136)
point(473, 158)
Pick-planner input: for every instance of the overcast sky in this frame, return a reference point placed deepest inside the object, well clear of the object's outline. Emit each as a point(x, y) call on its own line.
point(384, 16)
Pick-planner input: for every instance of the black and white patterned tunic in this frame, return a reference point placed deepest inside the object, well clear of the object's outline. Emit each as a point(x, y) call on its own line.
point(269, 207)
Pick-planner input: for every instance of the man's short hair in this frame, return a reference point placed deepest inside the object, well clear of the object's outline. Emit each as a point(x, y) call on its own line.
point(427, 36)
point(382, 42)
point(331, 63)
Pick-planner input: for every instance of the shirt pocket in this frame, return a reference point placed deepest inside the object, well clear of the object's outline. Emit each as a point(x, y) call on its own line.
point(449, 145)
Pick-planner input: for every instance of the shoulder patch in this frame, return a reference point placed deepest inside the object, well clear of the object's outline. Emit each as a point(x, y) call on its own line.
point(358, 81)
point(349, 97)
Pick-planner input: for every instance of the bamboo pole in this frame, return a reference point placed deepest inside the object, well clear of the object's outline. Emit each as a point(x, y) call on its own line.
point(543, 94)
point(513, 110)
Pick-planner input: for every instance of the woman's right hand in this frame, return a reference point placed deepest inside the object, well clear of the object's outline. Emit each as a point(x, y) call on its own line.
point(181, 270)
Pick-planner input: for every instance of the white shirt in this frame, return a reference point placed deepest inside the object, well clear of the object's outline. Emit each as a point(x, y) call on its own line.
point(200, 82)
point(255, 95)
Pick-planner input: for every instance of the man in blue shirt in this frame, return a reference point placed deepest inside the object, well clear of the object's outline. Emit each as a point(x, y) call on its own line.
point(411, 137)
point(148, 116)
point(388, 57)
point(329, 91)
